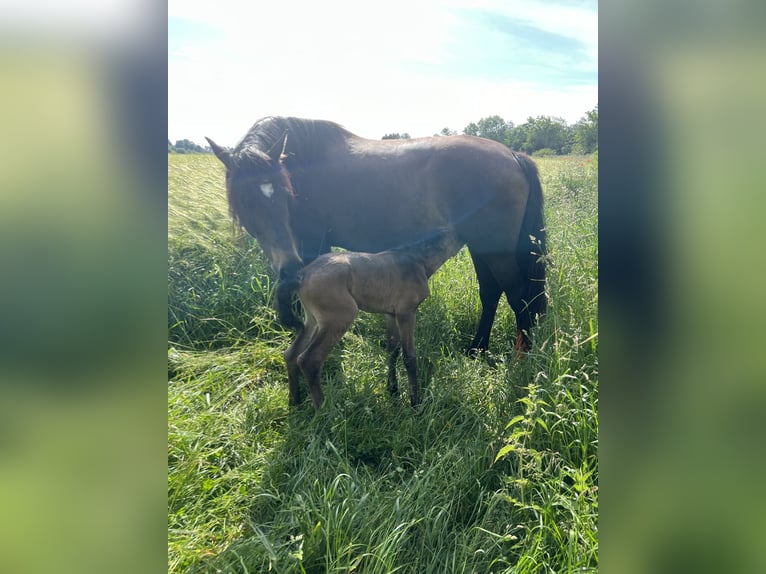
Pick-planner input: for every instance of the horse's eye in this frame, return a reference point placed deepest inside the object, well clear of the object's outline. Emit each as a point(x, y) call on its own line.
point(267, 189)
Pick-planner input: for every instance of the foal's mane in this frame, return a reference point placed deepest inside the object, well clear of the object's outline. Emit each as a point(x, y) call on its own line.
point(305, 138)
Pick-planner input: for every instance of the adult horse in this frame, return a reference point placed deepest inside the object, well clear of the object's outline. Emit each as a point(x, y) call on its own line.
point(302, 186)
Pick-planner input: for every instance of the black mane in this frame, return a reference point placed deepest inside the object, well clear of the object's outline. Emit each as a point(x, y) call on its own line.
point(305, 138)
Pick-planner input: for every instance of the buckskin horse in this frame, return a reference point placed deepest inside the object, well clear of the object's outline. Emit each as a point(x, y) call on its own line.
point(335, 286)
point(303, 186)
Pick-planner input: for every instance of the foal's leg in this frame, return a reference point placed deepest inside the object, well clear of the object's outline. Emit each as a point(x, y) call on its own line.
point(331, 327)
point(406, 326)
point(393, 346)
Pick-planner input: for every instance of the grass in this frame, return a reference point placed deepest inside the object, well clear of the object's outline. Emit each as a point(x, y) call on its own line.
point(497, 472)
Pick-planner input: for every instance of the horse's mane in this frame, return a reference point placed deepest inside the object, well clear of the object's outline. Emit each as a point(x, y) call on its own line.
point(305, 138)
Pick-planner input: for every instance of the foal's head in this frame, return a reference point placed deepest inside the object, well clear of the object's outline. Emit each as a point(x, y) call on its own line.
point(260, 194)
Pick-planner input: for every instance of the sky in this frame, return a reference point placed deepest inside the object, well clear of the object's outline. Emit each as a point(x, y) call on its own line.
point(414, 66)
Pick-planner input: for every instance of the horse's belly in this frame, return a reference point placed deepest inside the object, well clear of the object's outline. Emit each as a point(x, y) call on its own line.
point(377, 231)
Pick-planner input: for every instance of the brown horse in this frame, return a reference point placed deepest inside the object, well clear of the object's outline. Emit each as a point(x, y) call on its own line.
point(302, 186)
point(335, 286)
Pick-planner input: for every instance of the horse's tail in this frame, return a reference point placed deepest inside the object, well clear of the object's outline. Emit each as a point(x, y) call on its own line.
point(531, 253)
point(286, 288)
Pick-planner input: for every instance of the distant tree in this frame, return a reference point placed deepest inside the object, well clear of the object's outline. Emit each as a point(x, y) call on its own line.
point(585, 133)
point(494, 128)
point(547, 132)
point(471, 129)
point(517, 137)
point(186, 146)
point(396, 136)
point(491, 127)
point(447, 132)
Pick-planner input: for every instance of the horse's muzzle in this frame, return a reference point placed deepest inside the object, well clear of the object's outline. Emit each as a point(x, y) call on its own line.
point(289, 272)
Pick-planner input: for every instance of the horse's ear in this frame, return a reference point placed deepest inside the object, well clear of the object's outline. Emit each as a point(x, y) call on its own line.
point(277, 151)
point(220, 153)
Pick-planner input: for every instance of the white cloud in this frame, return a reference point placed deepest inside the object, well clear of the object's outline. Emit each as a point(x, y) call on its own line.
point(572, 21)
point(341, 61)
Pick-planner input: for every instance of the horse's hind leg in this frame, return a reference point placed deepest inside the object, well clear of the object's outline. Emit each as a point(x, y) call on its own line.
point(489, 294)
point(507, 275)
point(393, 346)
point(406, 326)
point(525, 319)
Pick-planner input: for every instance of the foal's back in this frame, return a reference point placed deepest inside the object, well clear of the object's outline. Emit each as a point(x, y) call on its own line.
point(390, 282)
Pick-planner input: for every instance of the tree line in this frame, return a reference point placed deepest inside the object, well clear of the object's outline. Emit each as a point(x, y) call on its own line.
point(187, 146)
point(543, 135)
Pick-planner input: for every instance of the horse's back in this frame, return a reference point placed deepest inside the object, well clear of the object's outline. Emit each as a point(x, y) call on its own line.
point(384, 194)
point(423, 155)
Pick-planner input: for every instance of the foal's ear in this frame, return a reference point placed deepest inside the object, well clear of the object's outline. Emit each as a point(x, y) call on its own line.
point(220, 153)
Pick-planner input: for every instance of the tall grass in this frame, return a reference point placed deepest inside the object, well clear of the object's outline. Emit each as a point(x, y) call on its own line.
point(497, 472)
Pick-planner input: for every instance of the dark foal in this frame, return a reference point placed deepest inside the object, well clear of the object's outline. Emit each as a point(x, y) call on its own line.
point(335, 286)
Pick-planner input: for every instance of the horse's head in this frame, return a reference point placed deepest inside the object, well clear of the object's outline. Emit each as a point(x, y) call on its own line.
point(260, 195)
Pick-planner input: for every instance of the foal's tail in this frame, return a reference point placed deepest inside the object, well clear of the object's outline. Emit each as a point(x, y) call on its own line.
point(531, 250)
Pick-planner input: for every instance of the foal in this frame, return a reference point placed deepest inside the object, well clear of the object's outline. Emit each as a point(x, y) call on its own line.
point(335, 286)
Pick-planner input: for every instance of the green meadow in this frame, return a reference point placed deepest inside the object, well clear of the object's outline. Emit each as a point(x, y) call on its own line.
point(496, 472)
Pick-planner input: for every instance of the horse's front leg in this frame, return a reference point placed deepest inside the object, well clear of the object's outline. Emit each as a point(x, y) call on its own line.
point(406, 326)
point(393, 347)
point(299, 344)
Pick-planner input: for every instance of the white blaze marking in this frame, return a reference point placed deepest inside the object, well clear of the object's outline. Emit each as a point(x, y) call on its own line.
point(267, 189)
